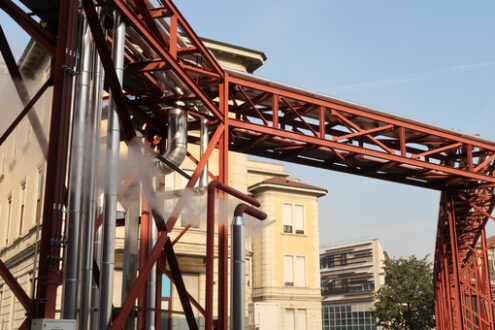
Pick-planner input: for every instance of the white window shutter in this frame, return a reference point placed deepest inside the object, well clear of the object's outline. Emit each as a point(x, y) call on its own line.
point(287, 218)
point(299, 219)
point(288, 271)
point(301, 319)
point(300, 279)
point(289, 319)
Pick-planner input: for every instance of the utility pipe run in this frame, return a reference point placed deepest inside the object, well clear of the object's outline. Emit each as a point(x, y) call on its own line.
point(77, 178)
point(90, 202)
point(210, 242)
point(238, 269)
point(111, 175)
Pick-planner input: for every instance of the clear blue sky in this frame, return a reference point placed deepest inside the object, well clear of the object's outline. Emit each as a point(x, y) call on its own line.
point(428, 60)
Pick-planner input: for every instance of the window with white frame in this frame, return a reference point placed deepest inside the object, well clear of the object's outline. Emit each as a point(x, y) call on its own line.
point(294, 271)
point(9, 216)
point(39, 194)
point(292, 218)
point(299, 219)
point(288, 271)
point(23, 204)
point(287, 218)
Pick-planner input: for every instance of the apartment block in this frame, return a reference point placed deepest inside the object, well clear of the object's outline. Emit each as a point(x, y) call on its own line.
point(350, 273)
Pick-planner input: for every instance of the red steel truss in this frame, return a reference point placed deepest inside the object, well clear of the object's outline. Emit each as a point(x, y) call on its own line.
point(259, 117)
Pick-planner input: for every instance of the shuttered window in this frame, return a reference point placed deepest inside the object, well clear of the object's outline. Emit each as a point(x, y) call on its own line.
point(301, 319)
point(289, 319)
point(300, 270)
point(287, 217)
point(299, 219)
point(288, 271)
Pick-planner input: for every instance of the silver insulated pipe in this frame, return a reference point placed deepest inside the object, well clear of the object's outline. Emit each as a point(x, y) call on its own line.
point(111, 178)
point(77, 179)
point(238, 267)
point(176, 140)
point(238, 272)
point(203, 144)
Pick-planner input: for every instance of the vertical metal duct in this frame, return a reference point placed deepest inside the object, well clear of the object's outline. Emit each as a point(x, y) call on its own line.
point(238, 271)
point(176, 139)
point(238, 268)
point(203, 144)
point(77, 178)
point(111, 176)
point(90, 202)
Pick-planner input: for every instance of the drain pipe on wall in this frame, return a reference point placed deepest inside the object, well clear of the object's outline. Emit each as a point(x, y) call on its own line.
point(238, 271)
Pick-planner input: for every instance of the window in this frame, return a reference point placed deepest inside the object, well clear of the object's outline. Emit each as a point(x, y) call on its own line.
point(299, 219)
point(348, 317)
point(288, 271)
point(39, 194)
point(23, 202)
point(191, 212)
point(300, 267)
point(9, 214)
point(327, 262)
point(289, 319)
point(301, 319)
point(343, 259)
point(295, 271)
point(287, 217)
point(293, 218)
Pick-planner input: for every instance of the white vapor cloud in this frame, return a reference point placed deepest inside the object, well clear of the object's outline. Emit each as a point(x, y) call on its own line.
point(409, 78)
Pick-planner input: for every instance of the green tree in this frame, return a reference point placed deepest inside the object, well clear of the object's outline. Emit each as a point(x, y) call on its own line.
point(406, 301)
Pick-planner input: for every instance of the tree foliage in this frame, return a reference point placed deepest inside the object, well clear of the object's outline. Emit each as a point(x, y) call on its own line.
point(406, 301)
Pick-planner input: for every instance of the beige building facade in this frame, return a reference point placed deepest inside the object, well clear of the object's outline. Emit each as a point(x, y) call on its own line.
point(282, 272)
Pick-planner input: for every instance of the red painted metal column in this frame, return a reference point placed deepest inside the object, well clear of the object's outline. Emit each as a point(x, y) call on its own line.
point(223, 228)
point(487, 281)
point(449, 208)
point(448, 310)
point(49, 274)
point(210, 252)
point(144, 230)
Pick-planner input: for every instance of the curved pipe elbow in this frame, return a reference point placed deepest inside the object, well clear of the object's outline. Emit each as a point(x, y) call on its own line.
point(176, 140)
point(244, 208)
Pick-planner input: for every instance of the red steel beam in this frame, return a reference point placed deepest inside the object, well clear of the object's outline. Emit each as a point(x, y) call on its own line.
point(223, 229)
point(49, 274)
point(21, 89)
point(359, 150)
point(26, 109)
point(160, 49)
point(15, 287)
point(33, 28)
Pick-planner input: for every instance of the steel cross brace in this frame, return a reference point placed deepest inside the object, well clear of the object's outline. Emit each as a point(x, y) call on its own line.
point(15, 287)
point(161, 50)
point(21, 89)
point(33, 28)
